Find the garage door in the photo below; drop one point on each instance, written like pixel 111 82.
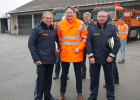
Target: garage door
pixel 24 24
pixel 37 18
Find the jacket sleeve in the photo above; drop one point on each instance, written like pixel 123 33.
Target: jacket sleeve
pixel 89 44
pixel 32 45
pixel 116 44
pixel 57 40
pixel 83 34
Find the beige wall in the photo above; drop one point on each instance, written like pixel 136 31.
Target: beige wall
pixel 13 23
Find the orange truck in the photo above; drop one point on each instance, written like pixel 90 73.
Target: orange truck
pixel 132 18
pixel 59 14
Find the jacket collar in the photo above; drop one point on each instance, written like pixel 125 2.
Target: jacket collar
pixel 100 25
pixel 44 26
pixel 72 21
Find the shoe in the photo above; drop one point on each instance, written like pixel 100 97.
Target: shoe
pixel 121 61
pixel 55 76
pixel 83 76
pixel 104 86
pixel 80 96
pixel 61 97
pixel 91 98
pixel 50 98
pixel 116 82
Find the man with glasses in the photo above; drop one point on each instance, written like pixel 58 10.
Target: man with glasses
pixel 100 54
pixel 72 34
pixel 88 23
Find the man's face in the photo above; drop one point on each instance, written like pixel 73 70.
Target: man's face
pixel 121 21
pixel 87 18
pixel 69 14
pixel 102 18
pixel 47 19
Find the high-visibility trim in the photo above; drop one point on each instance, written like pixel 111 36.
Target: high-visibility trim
pixel 70 43
pixel 71 37
pixel 126 31
pixel 123 32
pixel 122 36
pixel 80 27
pixel 84 36
pixel 90 55
pixel 123 28
pixel 83 40
pixel 112 55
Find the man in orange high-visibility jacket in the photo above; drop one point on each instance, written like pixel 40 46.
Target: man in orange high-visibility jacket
pixel 123 32
pixel 72 35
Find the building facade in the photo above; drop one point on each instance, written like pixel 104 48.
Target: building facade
pixel 24 18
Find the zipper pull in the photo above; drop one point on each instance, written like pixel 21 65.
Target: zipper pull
pixel 102 29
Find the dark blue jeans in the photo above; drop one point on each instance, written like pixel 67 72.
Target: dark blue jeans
pixel 57 65
pixel 65 71
pixel 109 81
pixel 123 44
pixel 43 81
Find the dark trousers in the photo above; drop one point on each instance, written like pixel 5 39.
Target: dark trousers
pixel 115 71
pixel 84 62
pixel 109 81
pixel 57 65
pixel 43 82
pixel 65 71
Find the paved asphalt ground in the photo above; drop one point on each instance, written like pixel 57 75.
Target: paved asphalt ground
pixel 18 73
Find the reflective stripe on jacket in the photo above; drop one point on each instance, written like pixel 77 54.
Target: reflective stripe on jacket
pixel 72 35
pixel 123 31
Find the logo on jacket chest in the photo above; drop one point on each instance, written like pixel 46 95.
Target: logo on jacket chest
pixel 95 34
pixel 44 34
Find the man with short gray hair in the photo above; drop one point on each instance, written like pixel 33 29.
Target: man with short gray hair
pixel 100 53
pixel 42 47
pixel 88 23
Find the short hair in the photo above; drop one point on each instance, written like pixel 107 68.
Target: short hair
pixel 47 12
pixel 108 14
pixel 102 12
pixel 86 13
pixel 69 7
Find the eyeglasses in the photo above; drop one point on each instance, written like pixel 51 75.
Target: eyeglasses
pixel 102 16
pixel 69 12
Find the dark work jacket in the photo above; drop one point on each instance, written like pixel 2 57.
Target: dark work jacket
pixel 90 25
pixel 42 43
pixel 97 42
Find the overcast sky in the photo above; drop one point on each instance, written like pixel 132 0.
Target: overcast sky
pixel 8 5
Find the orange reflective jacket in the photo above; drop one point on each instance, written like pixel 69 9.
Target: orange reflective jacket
pixel 71 36
pixel 123 31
